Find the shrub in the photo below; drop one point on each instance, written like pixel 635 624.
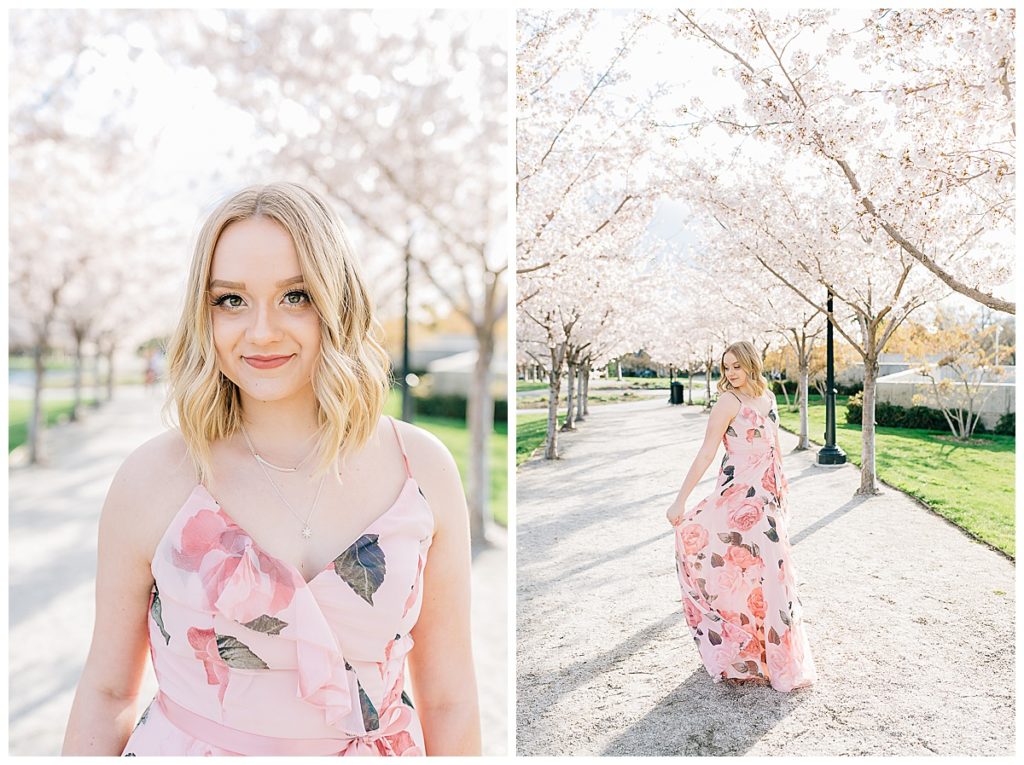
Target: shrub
pixel 454 406
pixel 1006 425
pixel 896 416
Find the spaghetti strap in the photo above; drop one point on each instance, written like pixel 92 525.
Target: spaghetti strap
pixel 735 396
pixel 401 445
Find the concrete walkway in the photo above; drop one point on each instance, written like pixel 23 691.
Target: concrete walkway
pixel 53 517
pixel 911 622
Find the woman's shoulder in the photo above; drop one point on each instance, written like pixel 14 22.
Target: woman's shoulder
pixel 151 485
pixel 435 471
pixel 425 450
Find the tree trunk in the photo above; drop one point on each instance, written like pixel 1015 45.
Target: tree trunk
pixel 110 371
pixel 804 366
pixel 586 389
pixel 96 380
pixel 579 392
pixel 868 484
pixel 480 419
pixel 79 363
pixel 570 389
pixel 554 385
pixel 785 393
pixel 689 385
pixel 35 420
pixel 707 377
pixel 618 366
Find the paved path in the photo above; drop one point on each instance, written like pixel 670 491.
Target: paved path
pixel 911 622
pixel 53 516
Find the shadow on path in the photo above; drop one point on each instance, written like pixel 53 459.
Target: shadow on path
pixel 701 718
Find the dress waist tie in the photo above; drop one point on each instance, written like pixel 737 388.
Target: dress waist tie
pixel 243 742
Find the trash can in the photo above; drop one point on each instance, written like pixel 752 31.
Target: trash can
pixel 676 396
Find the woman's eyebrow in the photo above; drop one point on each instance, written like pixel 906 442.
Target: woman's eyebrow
pixel 241 285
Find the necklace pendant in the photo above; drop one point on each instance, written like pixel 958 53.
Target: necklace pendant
pixel 307 532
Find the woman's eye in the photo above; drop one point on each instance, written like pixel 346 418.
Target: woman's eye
pixel 296 297
pixel 231 301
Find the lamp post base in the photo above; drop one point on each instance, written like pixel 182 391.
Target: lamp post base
pixel 831 455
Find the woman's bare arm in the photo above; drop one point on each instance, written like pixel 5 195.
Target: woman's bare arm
pixel 441 661
pixel 722 413
pixel 105 706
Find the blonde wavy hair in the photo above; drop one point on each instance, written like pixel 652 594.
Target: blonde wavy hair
pixel 750 361
pixel 352 375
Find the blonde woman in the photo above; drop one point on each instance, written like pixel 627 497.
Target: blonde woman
pixel 732 548
pixel 286 550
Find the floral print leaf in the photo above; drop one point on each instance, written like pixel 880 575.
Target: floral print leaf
pixel 772 534
pixel 752 667
pixel 771 415
pixel 266 624
pixel 731 431
pixel 773 636
pixel 785 618
pixel 371 720
pixel 405 699
pixel 237 654
pixel 717 560
pixel 158 617
pixel 714 637
pixel 751 492
pixel 744 619
pixel 755 550
pixel 771 521
pixel 362 566
pixel 741 667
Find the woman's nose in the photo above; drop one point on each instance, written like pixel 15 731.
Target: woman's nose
pixel 264 327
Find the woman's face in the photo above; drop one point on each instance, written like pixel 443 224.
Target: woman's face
pixel 734 373
pixel 265 328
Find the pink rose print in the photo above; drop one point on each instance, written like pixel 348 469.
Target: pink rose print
pixel 780 666
pixel 249 584
pixel 756 604
pixel 768 482
pixel 742 557
pixel 693 614
pixel 752 650
pixel 733 633
pixel 201 533
pixel 745 515
pixel 730 579
pixel 204 643
pixel 736 488
pixel 411 600
pixel 694 537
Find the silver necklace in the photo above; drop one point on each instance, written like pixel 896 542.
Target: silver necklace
pixel 271 465
pixel 307 530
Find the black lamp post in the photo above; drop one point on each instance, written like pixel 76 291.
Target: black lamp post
pixel 830 453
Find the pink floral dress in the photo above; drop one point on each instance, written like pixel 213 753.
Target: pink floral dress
pixel 251 659
pixel 734 564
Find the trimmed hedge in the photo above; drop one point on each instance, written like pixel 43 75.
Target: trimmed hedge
pixel 454 406
pixel 1006 426
pixel 896 416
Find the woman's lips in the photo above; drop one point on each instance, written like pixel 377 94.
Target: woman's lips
pixel 267 362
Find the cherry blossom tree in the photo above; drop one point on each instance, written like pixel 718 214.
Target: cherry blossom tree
pixel 922 131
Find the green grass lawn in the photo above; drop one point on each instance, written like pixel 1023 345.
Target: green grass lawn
pixel 531 402
pixel 20 410
pixel 972 485
pixel 531 432
pixel 455 435
pixel 531 385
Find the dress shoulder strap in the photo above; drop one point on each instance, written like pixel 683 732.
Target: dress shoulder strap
pixel 401 445
pixel 735 396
